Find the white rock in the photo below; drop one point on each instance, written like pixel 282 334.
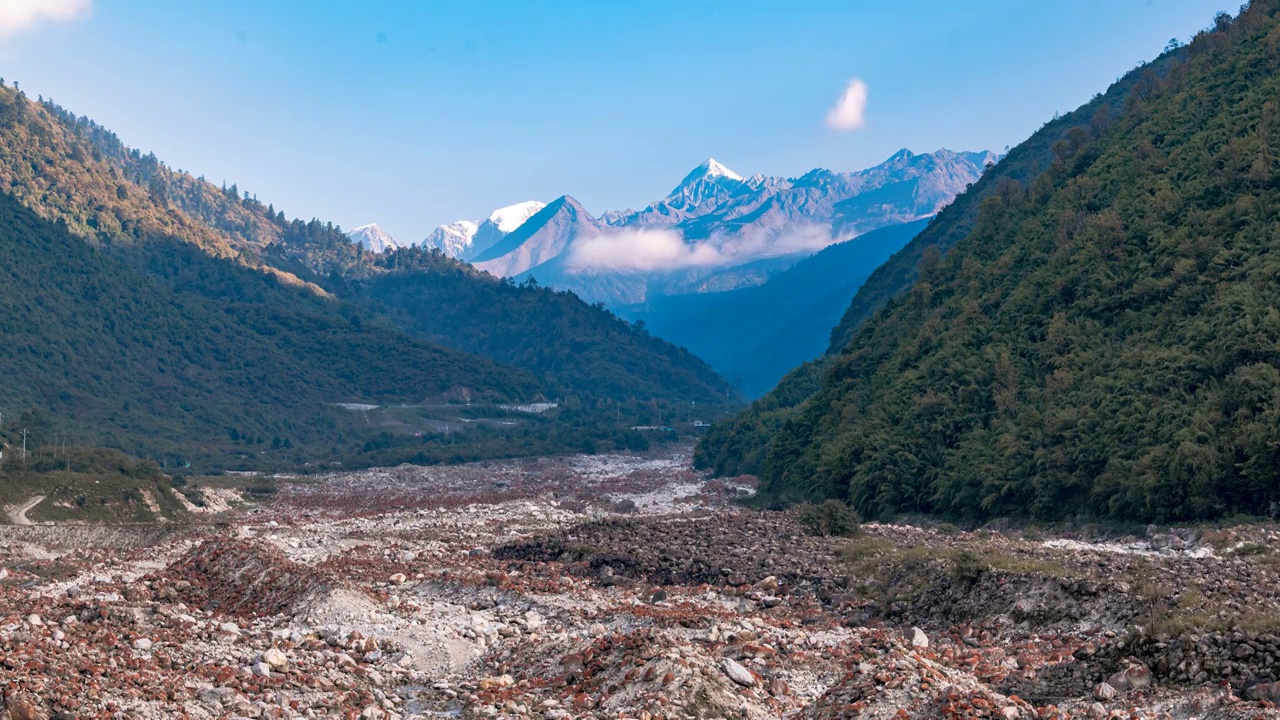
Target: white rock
pixel 919 640
pixel 261 669
pixel 1105 692
pixel 34 620
pixel 229 628
pixel 142 644
pixel 275 658
pixel 737 673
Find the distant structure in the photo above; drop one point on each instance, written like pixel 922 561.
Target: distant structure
pixel 534 408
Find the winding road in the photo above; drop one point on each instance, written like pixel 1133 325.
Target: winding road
pixel 18 515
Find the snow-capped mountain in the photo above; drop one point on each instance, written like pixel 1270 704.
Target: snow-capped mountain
pixel 717 230
pixel 373 238
pixel 453 239
pixel 751 271
pixel 705 188
pixel 499 224
pixel 542 238
pixel 906 187
pixel 708 181
pixel 466 239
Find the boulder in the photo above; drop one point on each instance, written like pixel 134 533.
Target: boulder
pixel 919 640
pixel 737 673
pixel 275 658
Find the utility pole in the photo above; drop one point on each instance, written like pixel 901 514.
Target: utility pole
pixel 24 444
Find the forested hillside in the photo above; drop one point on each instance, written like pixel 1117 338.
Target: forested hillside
pixel 104 353
pixel 754 335
pixel 737 445
pixel 572 348
pixel 1104 340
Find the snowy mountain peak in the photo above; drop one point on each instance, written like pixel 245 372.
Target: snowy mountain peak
pixel 499 224
pixel 508 218
pixel 903 154
pixel 452 239
pixel 708 180
pixel 711 168
pixel 373 238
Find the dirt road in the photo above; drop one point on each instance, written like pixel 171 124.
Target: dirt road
pixel 18 515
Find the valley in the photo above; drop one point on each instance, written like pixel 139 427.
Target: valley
pixel 619 586
pixel 881 434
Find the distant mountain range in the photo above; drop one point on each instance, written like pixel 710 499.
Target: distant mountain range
pixel 722 252
pixel 718 231
pixel 716 254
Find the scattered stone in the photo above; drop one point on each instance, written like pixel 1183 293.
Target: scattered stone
pixel 275 658
pixel 737 673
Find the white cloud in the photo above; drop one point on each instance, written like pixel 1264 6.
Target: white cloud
pixel 637 250
pixel 849 112
pixel 650 250
pixel 18 15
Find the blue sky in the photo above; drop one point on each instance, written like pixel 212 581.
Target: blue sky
pixel 416 113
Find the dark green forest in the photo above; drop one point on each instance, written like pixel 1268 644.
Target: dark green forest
pixel 576 350
pixel 1104 340
pixel 572 348
pixel 112 354
pixel 738 446
pixel 155 312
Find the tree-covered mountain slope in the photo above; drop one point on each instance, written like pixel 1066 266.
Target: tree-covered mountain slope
pixel 755 335
pixel 738 445
pixel 1103 340
pixel 113 356
pixel 573 348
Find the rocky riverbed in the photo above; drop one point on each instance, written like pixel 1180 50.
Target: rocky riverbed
pixel 621 587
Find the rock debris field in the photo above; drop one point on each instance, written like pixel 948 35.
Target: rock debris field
pixel 621 587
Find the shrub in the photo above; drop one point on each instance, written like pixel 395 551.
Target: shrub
pixel 832 518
